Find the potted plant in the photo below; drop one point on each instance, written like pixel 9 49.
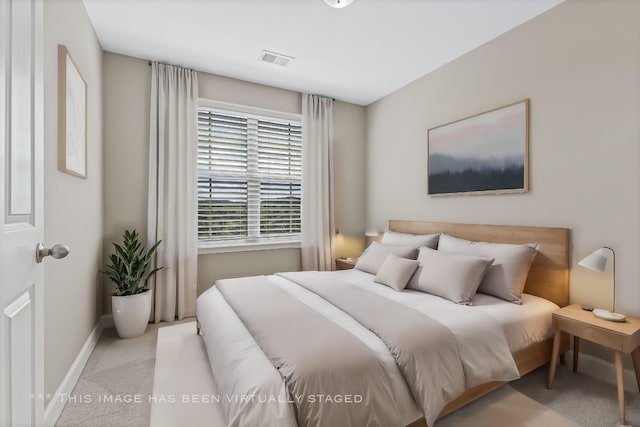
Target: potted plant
pixel 131 299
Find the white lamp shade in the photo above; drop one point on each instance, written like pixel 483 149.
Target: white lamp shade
pixel 338 3
pixel 595 261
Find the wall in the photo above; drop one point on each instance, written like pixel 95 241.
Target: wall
pixel 579 63
pixel 126 106
pixel 73 206
pixel 349 174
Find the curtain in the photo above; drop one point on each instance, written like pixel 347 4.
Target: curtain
pixel 172 205
pixel 318 223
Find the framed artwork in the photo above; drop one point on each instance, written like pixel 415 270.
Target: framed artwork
pixel 72 116
pixel 487 153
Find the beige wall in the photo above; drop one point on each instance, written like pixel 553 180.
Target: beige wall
pixel 126 118
pixel 73 206
pixel 349 173
pixel 579 63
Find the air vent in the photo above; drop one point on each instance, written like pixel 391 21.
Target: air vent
pixel 275 58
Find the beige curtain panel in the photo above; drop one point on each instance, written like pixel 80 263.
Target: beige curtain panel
pixel 318 223
pixel 172 206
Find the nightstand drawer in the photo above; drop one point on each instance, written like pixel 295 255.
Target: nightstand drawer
pixel 588 332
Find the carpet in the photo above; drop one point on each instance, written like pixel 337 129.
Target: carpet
pixel 183 375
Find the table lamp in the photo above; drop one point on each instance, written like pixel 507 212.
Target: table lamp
pixel 598 261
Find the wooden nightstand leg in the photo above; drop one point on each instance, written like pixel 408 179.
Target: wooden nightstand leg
pixel 554 358
pixel 620 383
pixel 635 356
pixel 576 353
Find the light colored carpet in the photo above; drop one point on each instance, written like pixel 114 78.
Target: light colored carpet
pixel 587 401
pixel 115 385
pixel 505 407
pixel 126 368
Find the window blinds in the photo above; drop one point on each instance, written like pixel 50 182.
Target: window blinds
pixel 249 178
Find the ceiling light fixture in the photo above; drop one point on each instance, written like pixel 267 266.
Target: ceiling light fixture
pixel 338 4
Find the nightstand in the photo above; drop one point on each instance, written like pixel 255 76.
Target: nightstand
pixel 623 337
pixel 345 263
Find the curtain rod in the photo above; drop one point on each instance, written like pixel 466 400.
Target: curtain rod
pixel 333 99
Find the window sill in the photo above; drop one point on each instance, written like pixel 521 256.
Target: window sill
pixel 243 247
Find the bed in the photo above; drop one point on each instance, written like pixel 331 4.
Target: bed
pixel 246 376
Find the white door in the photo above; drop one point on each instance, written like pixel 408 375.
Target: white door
pixel 21 213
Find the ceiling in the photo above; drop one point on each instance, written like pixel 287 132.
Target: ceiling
pixel 357 54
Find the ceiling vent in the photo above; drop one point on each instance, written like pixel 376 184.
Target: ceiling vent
pixel 275 58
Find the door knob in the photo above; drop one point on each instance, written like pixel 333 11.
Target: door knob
pixel 57 251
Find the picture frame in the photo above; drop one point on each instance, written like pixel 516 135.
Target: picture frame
pixel 487 153
pixel 72 116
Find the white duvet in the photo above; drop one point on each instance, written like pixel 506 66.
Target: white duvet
pixel 253 392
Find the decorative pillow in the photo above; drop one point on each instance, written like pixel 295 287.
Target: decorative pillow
pixel 452 276
pixel 508 274
pixel 372 258
pixel 396 272
pixel 415 240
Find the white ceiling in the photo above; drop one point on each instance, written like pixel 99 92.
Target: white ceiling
pixel 357 54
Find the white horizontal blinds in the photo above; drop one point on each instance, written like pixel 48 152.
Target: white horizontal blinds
pixel 280 166
pixel 222 183
pixel 222 209
pixel 280 149
pixel 249 177
pixel 222 143
pixel 279 208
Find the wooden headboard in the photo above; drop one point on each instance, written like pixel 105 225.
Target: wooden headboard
pixel 549 274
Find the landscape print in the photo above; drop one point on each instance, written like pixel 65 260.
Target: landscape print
pixel 484 153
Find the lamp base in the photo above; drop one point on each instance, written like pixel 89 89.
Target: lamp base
pixel 607 315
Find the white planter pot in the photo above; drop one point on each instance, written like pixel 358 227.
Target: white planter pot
pixel 131 313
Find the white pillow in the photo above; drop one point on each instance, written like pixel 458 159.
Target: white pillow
pixel 372 258
pixel 452 276
pixel 507 276
pixel 396 272
pixel 415 240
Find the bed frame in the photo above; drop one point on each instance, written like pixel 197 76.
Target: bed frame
pixel 548 278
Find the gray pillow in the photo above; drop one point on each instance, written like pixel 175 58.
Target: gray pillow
pixel 415 240
pixel 372 258
pixel 396 272
pixel 452 276
pixel 507 276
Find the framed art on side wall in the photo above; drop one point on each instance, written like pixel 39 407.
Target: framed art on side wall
pixel 487 153
pixel 72 116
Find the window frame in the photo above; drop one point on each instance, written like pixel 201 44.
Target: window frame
pixel 240 245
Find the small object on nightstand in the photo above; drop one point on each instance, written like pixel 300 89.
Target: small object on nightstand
pixel 607 315
pixel 345 263
pixel 587 308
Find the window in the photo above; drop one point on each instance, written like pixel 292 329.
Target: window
pixel 249 176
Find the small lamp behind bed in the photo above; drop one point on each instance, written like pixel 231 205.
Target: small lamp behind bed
pixel 598 261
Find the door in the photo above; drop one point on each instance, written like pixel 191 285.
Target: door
pixel 21 213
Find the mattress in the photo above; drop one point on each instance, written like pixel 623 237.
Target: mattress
pixel 239 365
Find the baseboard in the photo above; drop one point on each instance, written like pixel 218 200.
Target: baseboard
pixel 603 370
pixel 57 402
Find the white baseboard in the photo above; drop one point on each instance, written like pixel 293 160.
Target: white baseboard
pixel 57 402
pixel 603 370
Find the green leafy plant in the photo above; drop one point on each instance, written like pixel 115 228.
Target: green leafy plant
pixel 129 264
